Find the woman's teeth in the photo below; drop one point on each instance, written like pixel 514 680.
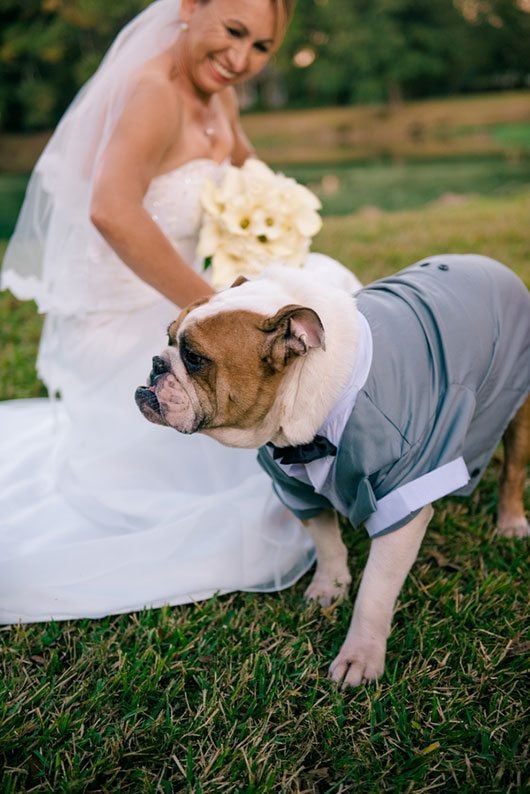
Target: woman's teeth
pixel 222 71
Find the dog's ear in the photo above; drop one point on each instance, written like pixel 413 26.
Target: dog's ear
pixel 239 280
pixel 292 331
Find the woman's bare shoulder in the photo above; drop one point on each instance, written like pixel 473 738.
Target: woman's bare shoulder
pixel 153 87
pixel 146 129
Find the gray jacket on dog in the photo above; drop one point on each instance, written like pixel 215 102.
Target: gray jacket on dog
pixel 450 368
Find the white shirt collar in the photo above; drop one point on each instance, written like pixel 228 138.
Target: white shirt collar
pixel 317 471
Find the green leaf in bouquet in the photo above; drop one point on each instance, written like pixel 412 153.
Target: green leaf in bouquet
pixel 207 262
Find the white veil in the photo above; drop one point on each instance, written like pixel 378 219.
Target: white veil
pixel 55 213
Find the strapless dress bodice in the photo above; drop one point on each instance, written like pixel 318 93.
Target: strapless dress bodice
pixel 173 201
pixel 91 277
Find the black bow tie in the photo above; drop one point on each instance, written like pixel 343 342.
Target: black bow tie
pixel 319 447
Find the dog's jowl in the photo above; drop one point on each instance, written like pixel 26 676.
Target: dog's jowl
pixel 373 406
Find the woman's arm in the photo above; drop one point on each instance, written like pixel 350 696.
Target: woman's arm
pixel 148 126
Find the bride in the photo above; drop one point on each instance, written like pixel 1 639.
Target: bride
pixel 101 512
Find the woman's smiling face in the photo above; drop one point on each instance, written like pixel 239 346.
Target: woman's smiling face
pixel 227 41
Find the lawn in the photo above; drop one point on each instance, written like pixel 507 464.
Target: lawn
pixel 347 188
pixel 231 695
pixel 344 188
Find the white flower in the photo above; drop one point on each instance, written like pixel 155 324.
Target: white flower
pixel 253 218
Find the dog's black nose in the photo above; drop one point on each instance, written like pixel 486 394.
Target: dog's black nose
pixel 159 366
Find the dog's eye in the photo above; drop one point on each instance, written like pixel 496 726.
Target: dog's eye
pixel 191 360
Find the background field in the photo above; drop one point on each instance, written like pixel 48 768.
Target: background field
pixel 495 123
pixel 231 695
pixel 352 157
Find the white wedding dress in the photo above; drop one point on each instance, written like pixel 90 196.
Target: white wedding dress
pixel 102 512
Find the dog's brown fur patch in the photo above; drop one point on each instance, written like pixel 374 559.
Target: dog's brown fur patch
pixel 239 381
pixel 516 441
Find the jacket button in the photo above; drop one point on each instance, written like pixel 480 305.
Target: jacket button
pixel 443 267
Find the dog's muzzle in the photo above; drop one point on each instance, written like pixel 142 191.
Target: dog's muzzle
pixel 166 401
pixel 145 397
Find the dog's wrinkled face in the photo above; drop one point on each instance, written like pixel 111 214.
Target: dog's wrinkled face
pixel 222 369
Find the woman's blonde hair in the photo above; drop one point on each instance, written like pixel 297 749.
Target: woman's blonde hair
pixel 284 13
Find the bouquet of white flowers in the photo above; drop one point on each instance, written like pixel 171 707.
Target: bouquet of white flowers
pixel 253 218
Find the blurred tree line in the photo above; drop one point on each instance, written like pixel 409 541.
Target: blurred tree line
pixel 335 52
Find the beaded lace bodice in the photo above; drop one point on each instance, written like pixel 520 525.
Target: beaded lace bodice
pixel 173 200
pixel 92 276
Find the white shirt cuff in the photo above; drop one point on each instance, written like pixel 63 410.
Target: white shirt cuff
pixel 398 504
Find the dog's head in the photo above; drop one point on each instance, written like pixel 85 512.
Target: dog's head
pixel 227 361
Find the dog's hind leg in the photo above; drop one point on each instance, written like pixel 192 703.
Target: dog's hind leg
pixel 512 521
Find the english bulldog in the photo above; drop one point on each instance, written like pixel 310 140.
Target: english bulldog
pixel 371 405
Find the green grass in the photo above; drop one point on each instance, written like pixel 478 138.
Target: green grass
pixel 12 188
pixel 344 188
pixel 231 695
pixel 374 243
pixel 20 328
pixel 514 135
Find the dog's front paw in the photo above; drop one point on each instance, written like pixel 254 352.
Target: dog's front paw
pixel 359 661
pixel 513 528
pixel 327 590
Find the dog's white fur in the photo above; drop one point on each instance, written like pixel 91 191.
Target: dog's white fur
pixel 362 655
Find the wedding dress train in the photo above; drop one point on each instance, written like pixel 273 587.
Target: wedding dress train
pixel 102 512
